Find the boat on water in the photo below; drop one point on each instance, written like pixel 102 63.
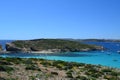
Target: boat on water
pixel 118 51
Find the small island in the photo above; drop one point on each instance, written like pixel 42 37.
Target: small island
pixel 49 46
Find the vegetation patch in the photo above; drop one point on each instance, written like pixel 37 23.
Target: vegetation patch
pixel 6 68
pixel 33 69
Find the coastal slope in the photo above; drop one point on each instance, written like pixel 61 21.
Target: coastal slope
pixel 50 45
pixel 40 69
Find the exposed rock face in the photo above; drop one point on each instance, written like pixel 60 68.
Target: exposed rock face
pixel 0 48
pixel 12 47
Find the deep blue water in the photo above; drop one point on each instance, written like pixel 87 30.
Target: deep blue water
pixel 110 46
pixel 109 57
pixel 3 42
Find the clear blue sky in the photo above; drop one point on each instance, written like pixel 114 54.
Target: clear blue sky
pixel 29 19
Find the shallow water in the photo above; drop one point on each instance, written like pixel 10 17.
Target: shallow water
pixel 3 42
pixel 109 57
pixel 103 58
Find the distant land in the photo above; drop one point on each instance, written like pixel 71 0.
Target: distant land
pixel 101 40
pixel 92 40
pixel 72 39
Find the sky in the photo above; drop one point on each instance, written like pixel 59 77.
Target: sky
pixel 78 19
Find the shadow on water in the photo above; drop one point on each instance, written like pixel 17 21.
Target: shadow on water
pixel 70 55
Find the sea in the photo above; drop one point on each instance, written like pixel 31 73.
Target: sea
pixel 108 57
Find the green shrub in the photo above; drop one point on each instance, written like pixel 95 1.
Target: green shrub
pixel 11 79
pixel 81 64
pixel 1 78
pixel 28 62
pixel 89 66
pixel 32 77
pixel 69 74
pixel 5 63
pixel 55 73
pixel 6 68
pixel 32 67
pixel 106 70
pixel 46 63
pixel 96 75
pixel 14 60
pixel 109 77
pixel 60 66
pixel 113 73
pixel 81 78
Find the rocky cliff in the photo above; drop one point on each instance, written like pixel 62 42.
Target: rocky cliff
pixel 0 47
pixel 53 45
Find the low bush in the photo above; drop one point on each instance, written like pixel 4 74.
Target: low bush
pixel 69 74
pixel 5 63
pixel 81 78
pixel 46 63
pixel 6 68
pixel 32 67
pixel 106 70
pixel 55 73
pixel 1 78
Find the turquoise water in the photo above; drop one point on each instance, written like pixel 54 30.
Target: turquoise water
pixel 109 57
pixel 103 58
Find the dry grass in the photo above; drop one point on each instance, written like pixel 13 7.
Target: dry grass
pixel 39 69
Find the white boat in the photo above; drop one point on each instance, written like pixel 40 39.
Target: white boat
pixel 118 51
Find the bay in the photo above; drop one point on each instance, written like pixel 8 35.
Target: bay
pixel 108 57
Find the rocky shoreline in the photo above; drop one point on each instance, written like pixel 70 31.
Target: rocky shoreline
pixel 44 51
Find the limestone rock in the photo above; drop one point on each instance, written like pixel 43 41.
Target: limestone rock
pixel 0 47
pixel 12 47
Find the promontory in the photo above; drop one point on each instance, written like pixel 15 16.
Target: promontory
pixel 49 46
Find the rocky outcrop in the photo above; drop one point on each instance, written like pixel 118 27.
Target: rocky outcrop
pixel 12 47
pixel 0 47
